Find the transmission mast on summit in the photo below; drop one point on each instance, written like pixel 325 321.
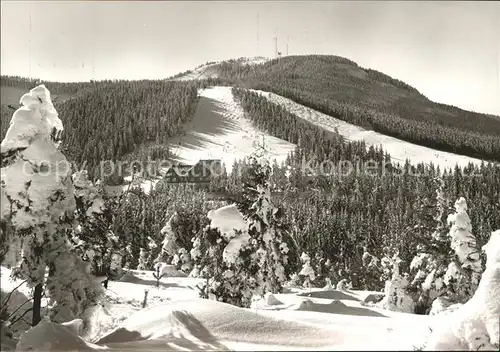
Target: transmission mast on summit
pixel 276 52
pixel 29 48
pixel 275 45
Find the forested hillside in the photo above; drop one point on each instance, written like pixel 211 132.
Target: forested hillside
pixel 340 88
pixel 108 120
pixel 283 124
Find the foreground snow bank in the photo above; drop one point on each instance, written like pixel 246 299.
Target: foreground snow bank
pixel 206 324
pixel 49 336
pixel 329 320
pixel 476 324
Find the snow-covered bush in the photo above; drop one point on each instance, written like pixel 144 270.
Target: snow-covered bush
pixel 143 257
pixel 372 272
pixel 344 285
pixel 476 324
pixel 396 297
pixel 442 305
pixel 182 260
pixel 307 271
pixel 328 285
pixel 37 208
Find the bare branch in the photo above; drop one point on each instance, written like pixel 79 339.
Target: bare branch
pixel 4 304
pixel 22 316
pixel 17 309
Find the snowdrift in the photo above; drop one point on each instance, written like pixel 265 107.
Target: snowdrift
pixel 49 336
pixel 212 325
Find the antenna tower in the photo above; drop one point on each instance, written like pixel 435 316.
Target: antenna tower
pixel 258 41
pixel 29 48
pixel 276 43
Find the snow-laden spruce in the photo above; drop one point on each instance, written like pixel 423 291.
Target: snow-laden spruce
pixel 169 246
pixel 37 208
pixel 476 324
pixel 430 264
pixel 396 297
pixel 36 190
pixel 307 271
pixel 464 272
pixel 243 253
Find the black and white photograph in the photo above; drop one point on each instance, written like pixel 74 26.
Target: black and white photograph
pixel 250 175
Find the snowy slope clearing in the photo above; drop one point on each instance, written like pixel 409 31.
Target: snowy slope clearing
pixel 397 148
pixel 202 72
pixel 211 71
pixel 175 319
pixel 220 130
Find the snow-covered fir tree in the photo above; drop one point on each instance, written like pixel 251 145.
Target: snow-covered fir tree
pixel 265 229
pixel 373 272
pixel 182 260
pixel 37 208
pixel 244 252
pixel 93 237
pixel 169 247
pixel 464 272
pixel 307 271
pixel 429 266
pixel 207 256
pixel 396 297
pixel 143 258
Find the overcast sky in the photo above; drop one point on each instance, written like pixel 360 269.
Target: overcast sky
pixel 450 51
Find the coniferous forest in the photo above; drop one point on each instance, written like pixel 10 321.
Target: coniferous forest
pixel 340 88
pixel 108 120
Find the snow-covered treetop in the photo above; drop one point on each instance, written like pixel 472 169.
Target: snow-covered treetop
pixel 228 220
pixel 36 177
pixel 462 240
pixel 305 257
pixel 88 193
pixel 460 219
pixel 461 205
pixel 37 118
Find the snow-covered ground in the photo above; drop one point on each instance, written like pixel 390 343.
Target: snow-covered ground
pixel 220 130
pixel 397 148
pixel 202 72
pixel 175 319
pixel 210 70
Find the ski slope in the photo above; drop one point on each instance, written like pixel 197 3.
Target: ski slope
pixel 398 149
pixel 174 319
pixel 220 130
